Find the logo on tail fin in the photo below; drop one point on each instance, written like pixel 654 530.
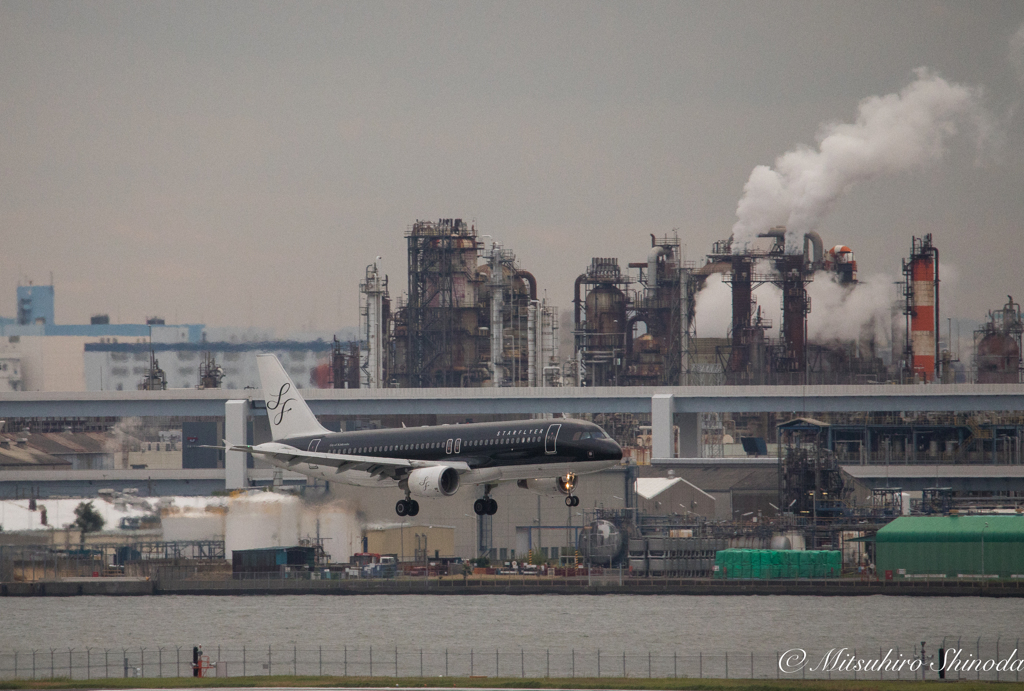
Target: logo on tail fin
pixel 279 405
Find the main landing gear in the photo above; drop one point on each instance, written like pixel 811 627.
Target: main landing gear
pixel 485 506
pixel 572 500
pixel 407 507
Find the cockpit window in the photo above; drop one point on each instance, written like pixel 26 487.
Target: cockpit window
pixel 597 435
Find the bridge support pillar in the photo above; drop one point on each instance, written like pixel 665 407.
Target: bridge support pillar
pixel 662 410
pixel 689 435
pixel 236 422
pixel 664 421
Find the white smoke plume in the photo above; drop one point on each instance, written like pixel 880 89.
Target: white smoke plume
pixel 713 312
pixel 891 133
pixel 850 313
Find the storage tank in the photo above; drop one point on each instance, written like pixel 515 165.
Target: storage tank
pixel 602 543
pixel 606 315
pixel 998 359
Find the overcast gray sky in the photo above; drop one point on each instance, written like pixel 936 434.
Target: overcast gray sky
pixel 240 163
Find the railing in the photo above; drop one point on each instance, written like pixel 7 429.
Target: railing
pixel 998 660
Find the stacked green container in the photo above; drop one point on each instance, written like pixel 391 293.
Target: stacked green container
pixel 777 563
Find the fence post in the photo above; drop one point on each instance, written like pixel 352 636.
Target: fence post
pixel 142 661
pixel 675 667
pixel 497 666
pixel 346 660
pixel 270 661
pixel 778 661
pixel 726 664
pixel 88 662
pixel 598 664
pixel 752 663
pixel 160 660
pixel 446 662
pixel 548 673
pixel 522 662
pixel 700 658
pixel 421 663
pixel 371 660
pixel 648 663
pixel 295 660
pixel 177 660
pixel 321 660
pixel 470 662
pixel 33 663
pixel 71 665
pixel 15 664
pixel 396 662
pixel 51 661
pixel 124 656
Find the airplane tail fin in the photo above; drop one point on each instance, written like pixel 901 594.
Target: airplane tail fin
pixel 288 413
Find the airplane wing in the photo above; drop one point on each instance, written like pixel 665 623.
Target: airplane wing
pixel 374 465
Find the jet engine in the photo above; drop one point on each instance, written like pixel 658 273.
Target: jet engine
pixel 436 481
pixel 558 486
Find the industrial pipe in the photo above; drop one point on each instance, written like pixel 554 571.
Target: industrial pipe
pixel 531 280
pixel 576 300
pixel 814 240
pixel 935 251
pixel 652 271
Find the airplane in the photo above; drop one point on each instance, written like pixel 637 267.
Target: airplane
pixel 543 456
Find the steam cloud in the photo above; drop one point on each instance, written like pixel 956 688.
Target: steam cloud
pixel 891 133
pixel 845 313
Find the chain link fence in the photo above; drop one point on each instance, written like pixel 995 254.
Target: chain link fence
pixel 994 660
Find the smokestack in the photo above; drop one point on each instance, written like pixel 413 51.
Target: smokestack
pixel 922 308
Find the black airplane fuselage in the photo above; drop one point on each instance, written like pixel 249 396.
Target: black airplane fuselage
pixel 480 445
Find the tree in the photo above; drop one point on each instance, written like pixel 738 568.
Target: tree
pixel 87 519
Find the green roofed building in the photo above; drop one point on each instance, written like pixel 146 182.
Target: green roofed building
pixel 952 546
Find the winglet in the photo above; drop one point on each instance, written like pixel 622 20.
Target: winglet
pixel 288 413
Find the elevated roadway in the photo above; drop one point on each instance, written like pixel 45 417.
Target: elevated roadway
pixel 685 399
pixel 669 406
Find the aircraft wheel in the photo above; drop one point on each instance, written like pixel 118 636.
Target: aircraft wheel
pixel 414 507
pixel 492 507
pixel 569 502
pixel 402 507
pixel 575 500
pixel 480 507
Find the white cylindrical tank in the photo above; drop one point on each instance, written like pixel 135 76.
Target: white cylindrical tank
pixel 262 519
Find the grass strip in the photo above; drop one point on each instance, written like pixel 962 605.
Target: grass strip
pixel 640 684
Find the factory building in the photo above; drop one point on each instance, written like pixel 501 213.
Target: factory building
pixel 951 546
pixel 997 346
pixel 637 327
pixel 635 331
pixel 471 317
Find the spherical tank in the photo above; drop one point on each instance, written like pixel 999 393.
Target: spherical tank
pixel 604 541
pixel 606 312
pixel 998 359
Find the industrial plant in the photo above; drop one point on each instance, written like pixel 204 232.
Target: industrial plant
pixel 470 314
